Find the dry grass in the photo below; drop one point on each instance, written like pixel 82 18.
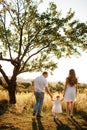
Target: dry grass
pixel 25 101
pixel 25 121
pixel 81 102
pixel 19 116
pixel 3 95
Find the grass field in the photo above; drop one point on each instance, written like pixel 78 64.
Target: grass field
pixel 11 120
pixel 19 116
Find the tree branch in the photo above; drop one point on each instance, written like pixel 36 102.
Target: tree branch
pixel 4 74
pixel 27 47
pixel 4 25
pixel 32 56
pixel 14 62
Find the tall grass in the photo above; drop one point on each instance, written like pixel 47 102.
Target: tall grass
pixel 3 95
pixel 25 101
pixel 81 102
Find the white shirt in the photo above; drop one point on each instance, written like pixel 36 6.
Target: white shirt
pixel 40 84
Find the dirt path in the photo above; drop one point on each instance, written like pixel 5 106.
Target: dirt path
pixel 24 121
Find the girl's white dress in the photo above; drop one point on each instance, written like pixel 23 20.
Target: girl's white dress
pixel 57 106
pixel 70 94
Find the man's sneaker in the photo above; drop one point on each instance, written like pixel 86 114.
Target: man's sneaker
pixel 39 116
pixel 34 113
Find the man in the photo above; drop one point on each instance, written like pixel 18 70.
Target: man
pixel 40 86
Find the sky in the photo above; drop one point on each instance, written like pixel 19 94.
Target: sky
pixel 64 64
pixel 79 6
pixel 80 63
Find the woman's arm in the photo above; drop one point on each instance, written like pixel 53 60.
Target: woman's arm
pixel 76 88
pixel 65 86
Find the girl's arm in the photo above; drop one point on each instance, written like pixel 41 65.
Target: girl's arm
pixel 62 99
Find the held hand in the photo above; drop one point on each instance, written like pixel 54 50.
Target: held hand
pixel 62 99
pixel 51 97
pixel 64 94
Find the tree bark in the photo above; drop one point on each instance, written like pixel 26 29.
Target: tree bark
pixel 11 91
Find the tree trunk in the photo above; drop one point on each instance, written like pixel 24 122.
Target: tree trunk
pixel 11 91
pixel 11 84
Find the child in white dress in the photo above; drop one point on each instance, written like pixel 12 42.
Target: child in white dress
pixel 57 108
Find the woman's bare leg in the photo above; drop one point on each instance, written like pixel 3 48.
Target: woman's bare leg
pixel 67 109
pixel 71 108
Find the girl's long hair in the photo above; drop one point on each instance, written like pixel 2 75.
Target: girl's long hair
pixel 72 80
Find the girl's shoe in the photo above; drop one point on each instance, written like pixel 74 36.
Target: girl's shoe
pixel 71 116
pixel 55 117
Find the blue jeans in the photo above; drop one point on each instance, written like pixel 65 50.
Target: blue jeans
pixel 39 96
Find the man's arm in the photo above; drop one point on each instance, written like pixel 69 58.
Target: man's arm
pixel 47 90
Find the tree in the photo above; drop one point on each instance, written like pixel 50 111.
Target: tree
pixel 31 41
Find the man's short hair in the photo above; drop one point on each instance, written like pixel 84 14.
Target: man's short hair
pixel 45 72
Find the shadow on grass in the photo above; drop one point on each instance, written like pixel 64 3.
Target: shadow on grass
pixel 3 106
pixel 37 124
pixel 75 123
pixel 34 124
pixel 8 127
pixel 60 125
pixel 83 115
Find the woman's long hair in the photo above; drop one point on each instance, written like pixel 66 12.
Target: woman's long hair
pixel 72 80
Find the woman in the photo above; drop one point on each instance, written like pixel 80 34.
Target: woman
pixel 70 91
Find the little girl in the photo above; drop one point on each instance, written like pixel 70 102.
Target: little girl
pixel 57 106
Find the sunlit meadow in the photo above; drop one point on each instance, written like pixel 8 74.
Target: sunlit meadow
pixel 25 101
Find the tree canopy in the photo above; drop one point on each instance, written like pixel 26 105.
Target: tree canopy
pixel 31 41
